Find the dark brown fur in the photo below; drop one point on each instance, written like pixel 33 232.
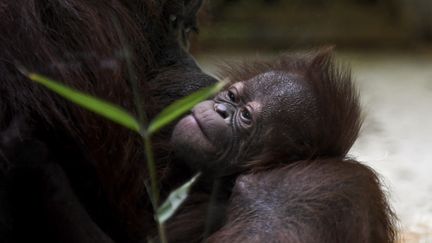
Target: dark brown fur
pixel 89 45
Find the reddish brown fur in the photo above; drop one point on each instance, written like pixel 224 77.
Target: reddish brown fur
pixel 329 200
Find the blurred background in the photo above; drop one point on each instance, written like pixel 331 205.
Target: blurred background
pixel 389 46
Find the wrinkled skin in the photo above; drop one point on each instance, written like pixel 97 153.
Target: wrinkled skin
pixel 241 121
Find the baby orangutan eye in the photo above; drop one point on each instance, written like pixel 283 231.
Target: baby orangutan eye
pixel 231 96
pixel 246 116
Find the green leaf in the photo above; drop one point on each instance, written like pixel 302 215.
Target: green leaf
pixel 181 106
pixel 98 106
pixel 174 200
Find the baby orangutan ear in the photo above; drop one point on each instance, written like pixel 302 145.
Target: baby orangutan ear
pixel 322 56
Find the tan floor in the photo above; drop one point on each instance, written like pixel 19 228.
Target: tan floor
pixel 397 137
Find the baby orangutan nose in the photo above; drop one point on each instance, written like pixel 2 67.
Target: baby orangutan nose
pixel 222 110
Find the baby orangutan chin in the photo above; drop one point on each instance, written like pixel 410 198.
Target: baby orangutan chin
pixel 285 127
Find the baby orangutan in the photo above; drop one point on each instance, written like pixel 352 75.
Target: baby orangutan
pixel 285 127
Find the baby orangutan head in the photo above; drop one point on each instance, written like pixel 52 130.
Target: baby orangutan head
pixel 296 107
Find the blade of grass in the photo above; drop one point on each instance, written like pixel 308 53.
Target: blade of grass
pixel 181 106
pixel 174 200
pixel 96 105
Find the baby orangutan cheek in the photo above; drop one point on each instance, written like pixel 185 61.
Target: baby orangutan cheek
pixel 191 145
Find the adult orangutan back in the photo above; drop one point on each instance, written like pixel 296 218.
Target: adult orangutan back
pixel 67 175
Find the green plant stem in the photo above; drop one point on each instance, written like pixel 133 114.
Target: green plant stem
pixel 152 171
pixel 153 183
pixel 162 233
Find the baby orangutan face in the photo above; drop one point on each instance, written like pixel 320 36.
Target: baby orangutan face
pixel 240 121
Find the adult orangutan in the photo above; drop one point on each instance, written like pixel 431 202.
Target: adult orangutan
pixel 67 175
